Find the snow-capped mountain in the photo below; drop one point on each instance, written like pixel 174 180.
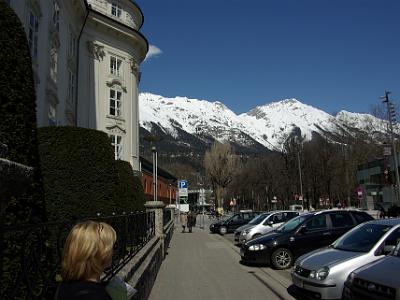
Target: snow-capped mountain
pixel 262 127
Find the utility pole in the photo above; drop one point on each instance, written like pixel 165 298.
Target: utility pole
pixel 392 119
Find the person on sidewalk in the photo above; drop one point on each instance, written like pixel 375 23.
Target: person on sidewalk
pixel 87 252
pixel 184 220
pixel 191 220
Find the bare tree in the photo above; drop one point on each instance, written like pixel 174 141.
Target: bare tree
pixel 220 165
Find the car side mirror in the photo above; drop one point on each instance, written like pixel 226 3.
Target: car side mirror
pixel 388 249
pixel 270 223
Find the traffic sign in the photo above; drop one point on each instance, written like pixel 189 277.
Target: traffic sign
pixel 183 184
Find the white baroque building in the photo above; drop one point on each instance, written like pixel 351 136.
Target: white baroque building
pixel 86 56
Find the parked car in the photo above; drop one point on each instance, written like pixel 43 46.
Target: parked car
pixel 263 224
pixel 376 280
pixel 322 273
pixel 230 224
pixel 300 235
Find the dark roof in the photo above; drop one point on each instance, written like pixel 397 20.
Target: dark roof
pixel 148 166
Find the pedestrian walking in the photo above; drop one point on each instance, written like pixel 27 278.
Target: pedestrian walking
pixel 184 220
pixel 191 220
pixel 87 252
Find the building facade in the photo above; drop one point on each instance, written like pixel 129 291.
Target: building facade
pixel 377 182
pixel 167 184
pixel 85 57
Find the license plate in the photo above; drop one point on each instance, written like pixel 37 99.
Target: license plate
pixel 297 282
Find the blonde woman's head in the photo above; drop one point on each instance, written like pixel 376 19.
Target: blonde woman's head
pixel 87 250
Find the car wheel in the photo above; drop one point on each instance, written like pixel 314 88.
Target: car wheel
pixel 223 230
pixel 281 258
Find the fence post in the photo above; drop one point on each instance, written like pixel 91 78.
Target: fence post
pixel 158 208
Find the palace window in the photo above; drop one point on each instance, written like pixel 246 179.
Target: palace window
pixel 115 65
pixel 115 102
pixel 71 86
pixel 116 10
pixel 33 32
pixel 56 15
pixel 116 143
pixel 53 64
pixel 52 114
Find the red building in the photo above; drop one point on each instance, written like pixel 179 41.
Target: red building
pixel 167 186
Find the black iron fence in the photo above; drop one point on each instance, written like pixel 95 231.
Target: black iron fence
pixel 30 255
pixel 166 216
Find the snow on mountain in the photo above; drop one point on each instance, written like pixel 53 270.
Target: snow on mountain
pixel 270 122
pixel 361 121
pixel 191 115
pixel 267 124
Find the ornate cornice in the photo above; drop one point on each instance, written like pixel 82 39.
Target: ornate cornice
pixel 96 50
pixel 115 129
pixel 116 81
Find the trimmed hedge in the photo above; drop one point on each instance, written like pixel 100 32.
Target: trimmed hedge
pixel 81 177
pixel 130 195
pixel 18 121
pixel 78 171
pixel 21 196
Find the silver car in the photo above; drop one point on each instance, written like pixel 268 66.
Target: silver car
pixel 263 224
pixel 322 273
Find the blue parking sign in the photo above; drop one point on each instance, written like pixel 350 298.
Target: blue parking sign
pixel 183 184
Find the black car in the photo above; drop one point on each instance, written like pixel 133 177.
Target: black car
pixel 300 235
pixel 229 225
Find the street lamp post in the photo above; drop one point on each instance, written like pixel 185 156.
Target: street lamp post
pixel 392 119
pixel 301 182
pixel 154 151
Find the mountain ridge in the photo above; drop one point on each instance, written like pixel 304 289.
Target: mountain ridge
pixel 263 126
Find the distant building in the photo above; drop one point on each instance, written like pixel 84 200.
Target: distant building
pixel 167 184
pixel 376 179
pixel 85 57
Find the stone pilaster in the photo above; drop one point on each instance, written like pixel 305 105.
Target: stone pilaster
pixel 158 208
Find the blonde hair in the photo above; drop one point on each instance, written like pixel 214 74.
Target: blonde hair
pixel 87 250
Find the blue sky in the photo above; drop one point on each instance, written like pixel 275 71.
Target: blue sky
pixel 331 54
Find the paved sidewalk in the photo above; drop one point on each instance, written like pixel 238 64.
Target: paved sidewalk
pixel 200 265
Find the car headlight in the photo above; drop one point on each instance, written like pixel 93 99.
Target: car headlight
pixel 257 247
pixel 350 278
pixel 246 232
pixel 296 266
pixel 320 274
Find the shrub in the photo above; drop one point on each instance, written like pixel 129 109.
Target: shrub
pixel 79 172
pixel 129 188
pixel 18 119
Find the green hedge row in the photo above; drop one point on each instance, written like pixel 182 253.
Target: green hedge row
pixel 18 122
pixel 81 177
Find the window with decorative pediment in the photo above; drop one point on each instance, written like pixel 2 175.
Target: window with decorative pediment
pixel 115 66
pixel 53 63
pixel 52 114
pixel 33 33
pixel 116 142
pixel 116 10
pixel 115 102
pixel 56 15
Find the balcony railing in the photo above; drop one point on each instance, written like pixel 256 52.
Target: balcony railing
pixel 30 255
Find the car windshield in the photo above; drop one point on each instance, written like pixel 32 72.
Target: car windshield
pixel 396 251
pixel 361 238
pixel 257 220
pixel 292 224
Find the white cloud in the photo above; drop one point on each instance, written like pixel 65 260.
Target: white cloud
pixel 154 51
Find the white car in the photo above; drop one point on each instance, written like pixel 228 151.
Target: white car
pixel 263 224
pixel 321 274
